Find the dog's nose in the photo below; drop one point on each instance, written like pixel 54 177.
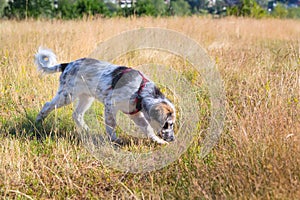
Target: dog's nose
pixel 172 138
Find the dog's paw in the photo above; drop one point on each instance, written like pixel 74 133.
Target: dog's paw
pixel 118 141
pixel 39 119
pixel 162 142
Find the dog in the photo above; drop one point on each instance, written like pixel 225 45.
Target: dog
pixel 119 88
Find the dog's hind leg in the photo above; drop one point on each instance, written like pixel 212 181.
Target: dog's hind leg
pixel 61 99
pixel 84 103
pixel 141 122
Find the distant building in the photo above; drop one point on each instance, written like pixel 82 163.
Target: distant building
pixel 126 3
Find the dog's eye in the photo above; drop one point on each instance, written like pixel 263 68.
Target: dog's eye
pixel 166 125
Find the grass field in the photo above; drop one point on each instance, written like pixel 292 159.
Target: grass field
pixel 258 154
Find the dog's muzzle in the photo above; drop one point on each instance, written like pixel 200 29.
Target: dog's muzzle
pixel 168 135
pixel 167 132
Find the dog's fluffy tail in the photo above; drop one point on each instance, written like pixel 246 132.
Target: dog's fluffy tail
pixel 46 62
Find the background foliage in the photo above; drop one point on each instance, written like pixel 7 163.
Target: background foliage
pixel 71 9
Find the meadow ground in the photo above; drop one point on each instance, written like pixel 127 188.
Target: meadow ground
pixel 258 154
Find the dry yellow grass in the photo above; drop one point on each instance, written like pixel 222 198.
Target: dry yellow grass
pixel 257 156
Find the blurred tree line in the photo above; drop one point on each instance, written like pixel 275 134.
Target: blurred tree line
pixel 72 9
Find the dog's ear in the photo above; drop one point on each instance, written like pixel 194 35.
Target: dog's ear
pixel 162 112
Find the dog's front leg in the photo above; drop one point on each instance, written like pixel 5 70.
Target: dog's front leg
pixel 110 122
pixel 141 122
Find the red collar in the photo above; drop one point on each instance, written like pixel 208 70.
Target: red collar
pixel 138 98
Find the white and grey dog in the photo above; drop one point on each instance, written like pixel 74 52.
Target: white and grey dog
pixel 118 87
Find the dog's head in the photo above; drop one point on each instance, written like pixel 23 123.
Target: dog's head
pixel 162 119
